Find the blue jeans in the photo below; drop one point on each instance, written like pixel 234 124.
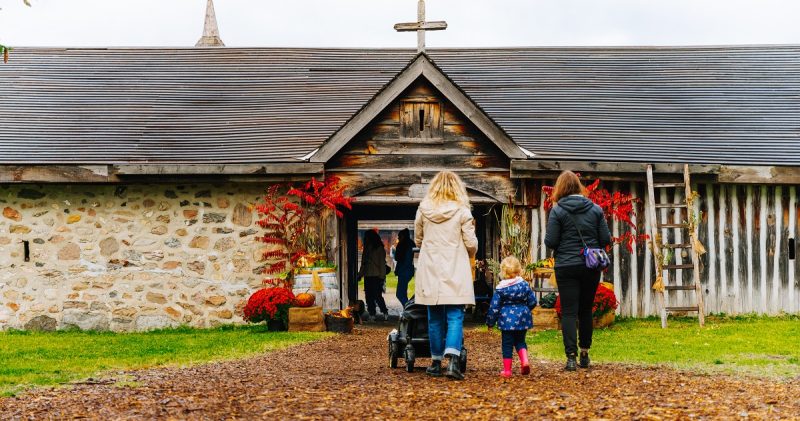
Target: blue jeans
pixel 445 330
pixel 402 288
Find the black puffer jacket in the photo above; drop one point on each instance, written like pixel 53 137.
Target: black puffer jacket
pixel 562 236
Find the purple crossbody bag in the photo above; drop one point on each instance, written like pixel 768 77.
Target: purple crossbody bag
pixel 595 258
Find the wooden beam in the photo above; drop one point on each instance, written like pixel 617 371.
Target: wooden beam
pixel 759 175
pixel 495 185
pixel 219 169
pixel 56 174
pixel 728 174
pixel 402 200
pixel 438 25
pixel 528 168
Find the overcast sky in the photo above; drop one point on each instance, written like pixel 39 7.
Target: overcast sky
pixel 368 23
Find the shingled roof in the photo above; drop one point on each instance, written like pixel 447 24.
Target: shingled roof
pixel 725 105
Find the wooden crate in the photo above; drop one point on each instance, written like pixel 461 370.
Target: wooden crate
pixel 306 319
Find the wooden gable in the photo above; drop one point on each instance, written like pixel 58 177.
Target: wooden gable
pixel 418 134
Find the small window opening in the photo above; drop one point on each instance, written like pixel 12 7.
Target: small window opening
pixel 791 249
pixel 421 119
pixel 26 247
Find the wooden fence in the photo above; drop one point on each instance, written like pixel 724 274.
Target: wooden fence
pixel 747 231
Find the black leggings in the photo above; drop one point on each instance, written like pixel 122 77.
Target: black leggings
pixel 373 290
pixel 513 339
pixel 577 286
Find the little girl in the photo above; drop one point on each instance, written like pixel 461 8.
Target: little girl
pixel 511 308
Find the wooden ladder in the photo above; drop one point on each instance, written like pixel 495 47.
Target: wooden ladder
pixel 666 272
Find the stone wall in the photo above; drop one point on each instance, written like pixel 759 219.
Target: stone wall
pixel 127 257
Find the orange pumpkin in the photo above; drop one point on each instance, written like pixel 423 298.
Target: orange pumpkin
pixel 304 300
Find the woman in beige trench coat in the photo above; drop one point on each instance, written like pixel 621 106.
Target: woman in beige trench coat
pixel 445 233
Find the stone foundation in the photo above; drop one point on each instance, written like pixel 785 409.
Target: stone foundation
pixel 127 257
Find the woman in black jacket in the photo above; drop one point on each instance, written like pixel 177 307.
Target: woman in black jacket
pixel 373 269
pixel 577 284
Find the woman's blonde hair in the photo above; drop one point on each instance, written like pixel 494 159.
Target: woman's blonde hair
pixel 510 267
pixel 567 184
pixel 447 186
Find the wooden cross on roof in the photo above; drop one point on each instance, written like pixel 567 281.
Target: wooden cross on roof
pixel 420 26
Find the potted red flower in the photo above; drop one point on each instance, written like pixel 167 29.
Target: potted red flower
pixel 270 305
pixel 603 310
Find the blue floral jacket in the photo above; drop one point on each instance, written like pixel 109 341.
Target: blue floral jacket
pixel 511 305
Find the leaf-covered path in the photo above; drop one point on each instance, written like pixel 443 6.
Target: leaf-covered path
pixel 347 378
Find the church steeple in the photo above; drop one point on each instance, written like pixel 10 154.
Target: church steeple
pixel 210 36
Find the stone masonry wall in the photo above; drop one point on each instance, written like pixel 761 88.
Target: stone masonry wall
pixel 127 257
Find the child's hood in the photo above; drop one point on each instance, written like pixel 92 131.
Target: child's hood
pixel 505 283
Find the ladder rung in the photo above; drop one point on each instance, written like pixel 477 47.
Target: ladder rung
pixel 679 287
pixel 670 205
pixel 682 309
pixel 668 185
pixel 677 246
pixel 673 225
pixel 668 267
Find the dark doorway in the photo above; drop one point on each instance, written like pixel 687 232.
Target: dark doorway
pixel 403 214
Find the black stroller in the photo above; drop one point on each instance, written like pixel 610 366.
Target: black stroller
pixel 410 340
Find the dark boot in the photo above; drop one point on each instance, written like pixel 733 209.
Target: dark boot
pixel 453 371
pixel 571 363
pixel 435 370
pixel 584 360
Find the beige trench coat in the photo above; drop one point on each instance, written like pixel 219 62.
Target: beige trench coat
pixel 446 237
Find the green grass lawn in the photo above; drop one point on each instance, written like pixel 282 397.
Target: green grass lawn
pixel 38 359
pixel 760 346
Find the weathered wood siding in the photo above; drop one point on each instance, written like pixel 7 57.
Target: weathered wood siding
pixel 746 231
pixel 384 161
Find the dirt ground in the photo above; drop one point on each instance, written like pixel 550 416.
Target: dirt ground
pixel 347 377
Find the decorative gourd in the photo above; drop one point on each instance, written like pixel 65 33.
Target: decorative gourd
pixel 304 300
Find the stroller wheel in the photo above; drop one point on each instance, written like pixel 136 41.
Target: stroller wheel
pixel 410 357
pixel 394 354
pixel 462 360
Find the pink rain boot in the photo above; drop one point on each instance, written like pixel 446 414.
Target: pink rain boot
pixel 506 373
pixel 523 361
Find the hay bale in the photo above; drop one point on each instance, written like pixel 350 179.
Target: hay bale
pixel 306 319
pixel 544 318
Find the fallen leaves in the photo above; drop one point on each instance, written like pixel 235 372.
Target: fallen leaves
pixel 346 378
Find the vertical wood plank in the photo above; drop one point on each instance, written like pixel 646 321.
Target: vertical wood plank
pixel 724 300
pixel 736 290
pixel 712 303
pixel 542 228
pixel 343 262
pixel 775 300
pixel 616 259
pixel 648 263
pixel 748 219
pixel 783 248
pixel 633 284
pixel 701 210
pixel 792 305
pixel 695 213
pixel 762 249
pixel 535 234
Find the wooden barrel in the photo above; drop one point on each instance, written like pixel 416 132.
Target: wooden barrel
pixel 328 298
